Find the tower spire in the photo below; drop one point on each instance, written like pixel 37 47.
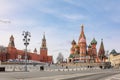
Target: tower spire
pixel 82 35
pixel 35 50
pixel 82 28
pixel 82 32
pixel 101 52
pixel 43 41
pixel 11 42
pixel 44 35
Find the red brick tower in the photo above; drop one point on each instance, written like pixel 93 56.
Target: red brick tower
pixel 43 50
pixel 11 48
pixel 11 42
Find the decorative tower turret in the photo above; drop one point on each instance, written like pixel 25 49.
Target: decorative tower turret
pixel 94 50
pixel 89 49
pixel 101 53
pixel 93 45
pixel 77 50
pixel 11 42
pixel 11 48
pixel 72 50
pixel 43 42
pixel 82 34
pixel 82 44
pixel 35 50
pixel 82 47
pixel 73 43
pixel 43 50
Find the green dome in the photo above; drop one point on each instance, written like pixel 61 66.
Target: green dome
pixel 71 56
pixel 89 46
pixel 93 41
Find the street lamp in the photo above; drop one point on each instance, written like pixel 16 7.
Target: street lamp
pixel 26 41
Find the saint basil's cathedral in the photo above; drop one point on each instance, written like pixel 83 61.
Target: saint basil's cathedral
pixel 80 52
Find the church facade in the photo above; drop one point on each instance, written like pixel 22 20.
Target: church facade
pixel 12 53
pixel 81 52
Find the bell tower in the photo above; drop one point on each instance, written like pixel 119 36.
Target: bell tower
pixel 43 42
pixel 11 48
pixel 43 50
pixel 11 42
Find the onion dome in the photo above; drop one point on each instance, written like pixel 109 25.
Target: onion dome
pixel 82 40
pixel 71 56
pixel 89 46
pixel 73 42
pixel 93 41
pixel 76 46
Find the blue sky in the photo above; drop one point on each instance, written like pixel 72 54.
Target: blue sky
pixel 61 21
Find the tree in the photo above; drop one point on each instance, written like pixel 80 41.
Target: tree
pixel 60 58
pixel 3 53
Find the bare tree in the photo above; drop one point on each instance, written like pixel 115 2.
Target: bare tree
pixel 60 58
pixel 3 53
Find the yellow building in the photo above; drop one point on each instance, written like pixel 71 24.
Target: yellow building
pixel 114 58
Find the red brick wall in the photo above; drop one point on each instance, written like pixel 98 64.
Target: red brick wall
pixel 13 54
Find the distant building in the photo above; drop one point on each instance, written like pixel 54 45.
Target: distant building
pixel 80 52
pixel 12 53
pixel 114 58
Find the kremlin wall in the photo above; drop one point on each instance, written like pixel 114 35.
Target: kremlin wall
pixel 12 53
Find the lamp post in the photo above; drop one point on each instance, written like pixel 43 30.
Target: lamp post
pixel 26 41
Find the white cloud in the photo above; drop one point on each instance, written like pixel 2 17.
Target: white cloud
pixel 7 8
pixel 75 17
